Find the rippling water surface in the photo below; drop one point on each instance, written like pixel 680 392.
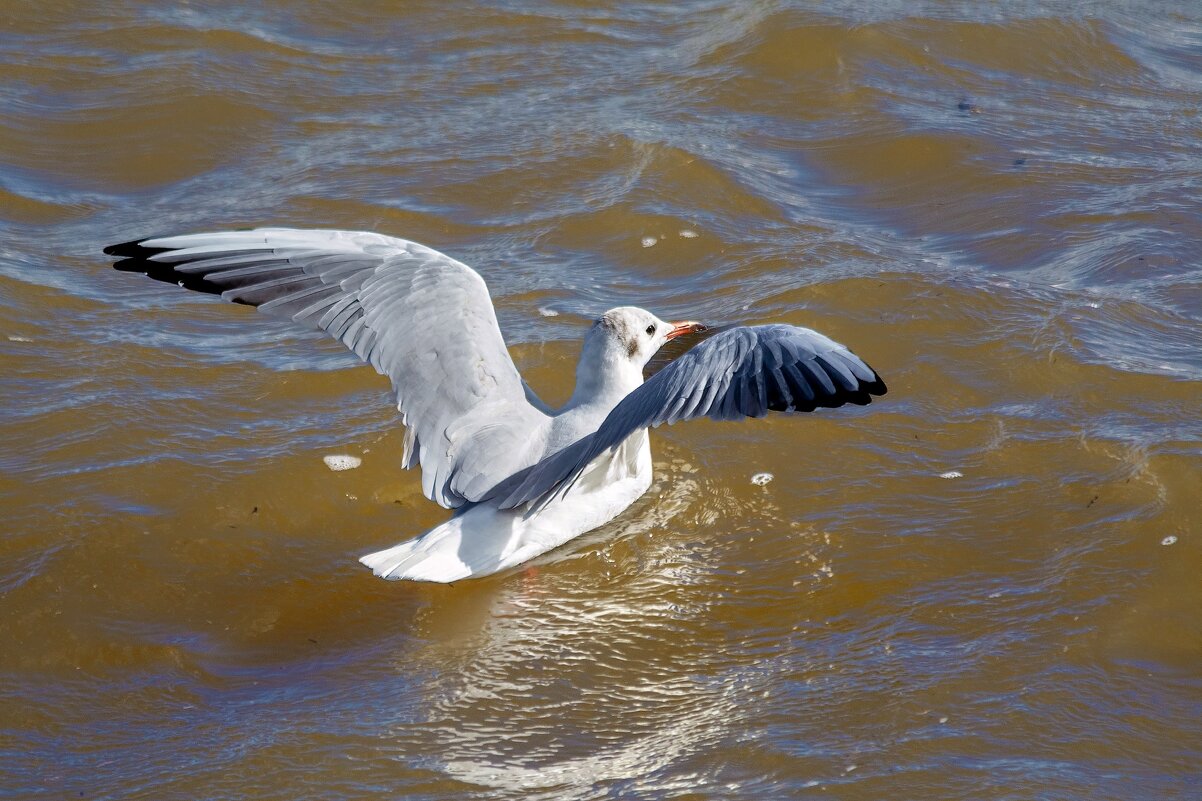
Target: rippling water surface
pixel 987 585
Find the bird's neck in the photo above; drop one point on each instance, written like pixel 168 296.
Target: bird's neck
pixel 604 376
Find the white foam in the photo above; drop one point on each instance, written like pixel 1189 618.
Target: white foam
pixel 1169 540
pixel 760 479
pixel 546 312
pixel 688 233
pixel 649 241
pixel 952 474
pixel 341 461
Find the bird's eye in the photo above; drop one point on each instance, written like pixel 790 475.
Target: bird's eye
pixel 650 330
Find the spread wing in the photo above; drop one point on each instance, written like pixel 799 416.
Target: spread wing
pixel 742 372
pixel 418 316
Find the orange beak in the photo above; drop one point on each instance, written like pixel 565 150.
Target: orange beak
pixel 685 327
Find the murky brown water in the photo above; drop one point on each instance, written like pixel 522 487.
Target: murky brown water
pixel 999 210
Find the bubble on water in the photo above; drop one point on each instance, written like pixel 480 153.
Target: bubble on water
pixel 760 479
pixel 943 720
pixel 1169 540
pixel 15 338
pixel 546 312
pixel 688 233
pixel 341 461
pixel 952 474
pixel 649 241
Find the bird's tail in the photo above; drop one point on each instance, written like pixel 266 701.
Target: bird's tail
pixel 418 559
pixel 478 541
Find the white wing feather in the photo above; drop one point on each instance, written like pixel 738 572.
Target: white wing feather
pixel 418 316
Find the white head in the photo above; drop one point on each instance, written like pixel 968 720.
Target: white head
pixel 620 344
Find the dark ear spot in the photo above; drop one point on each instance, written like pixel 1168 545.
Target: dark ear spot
pixel 633 347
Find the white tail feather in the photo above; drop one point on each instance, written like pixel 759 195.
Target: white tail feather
pixel 410 560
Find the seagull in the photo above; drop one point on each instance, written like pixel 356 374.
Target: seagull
pixel 521 477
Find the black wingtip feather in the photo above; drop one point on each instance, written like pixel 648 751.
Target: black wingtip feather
pixel 877 387
pixel 123 248
pixel 165 273
pixel 134 257
pixel 132 249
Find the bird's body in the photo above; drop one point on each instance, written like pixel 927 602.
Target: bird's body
pixel 523 478
pixel 485 539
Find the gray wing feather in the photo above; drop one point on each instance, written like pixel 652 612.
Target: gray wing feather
pixel 742 372
pixel 416 315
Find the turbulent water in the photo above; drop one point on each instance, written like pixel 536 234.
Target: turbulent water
pixel 987 584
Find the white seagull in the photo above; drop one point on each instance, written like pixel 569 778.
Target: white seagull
pixel 522 478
